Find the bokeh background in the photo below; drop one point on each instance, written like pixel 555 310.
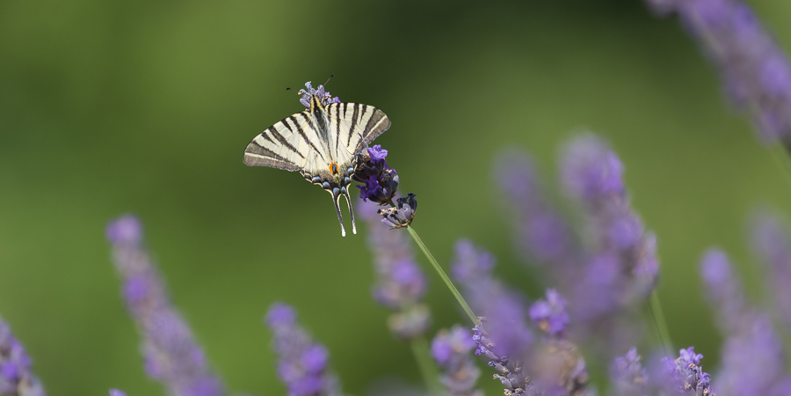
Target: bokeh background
pixel 145 107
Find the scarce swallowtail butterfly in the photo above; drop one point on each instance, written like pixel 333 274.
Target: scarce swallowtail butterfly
pixel 321 143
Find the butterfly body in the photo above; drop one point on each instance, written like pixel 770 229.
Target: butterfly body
pixel 320 142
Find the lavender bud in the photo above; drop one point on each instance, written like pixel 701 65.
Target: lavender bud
pixel 684 376
pixel 402 214
pixel 550 315
pixel 16 377
pixel 303 363
pixel 628 376
pixel 451 350
pixel 171 353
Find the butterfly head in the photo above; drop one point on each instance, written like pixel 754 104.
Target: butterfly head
pixel 316 97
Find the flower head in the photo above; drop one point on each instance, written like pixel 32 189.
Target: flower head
pixel 452 352
pixel 380 182
pixel 16 377
pixel 170 351
pixel 325 96
pixel 550 315
pixel 628 375
pixel 303 363
pixel 402 214
pixel 684 376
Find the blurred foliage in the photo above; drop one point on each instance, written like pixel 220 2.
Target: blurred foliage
pixel 146 107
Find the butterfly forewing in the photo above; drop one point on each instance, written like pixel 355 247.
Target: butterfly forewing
pixel 353 127
pixel 289 144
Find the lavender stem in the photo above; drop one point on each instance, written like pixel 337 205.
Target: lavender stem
pixel 428 370
pixel 659 321
pixel 444 276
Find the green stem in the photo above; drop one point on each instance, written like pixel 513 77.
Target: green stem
pixel 427 368
pixel 444 276
pixel 659 321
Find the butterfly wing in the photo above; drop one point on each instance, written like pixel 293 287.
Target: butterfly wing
pixel 352 127
pixel 289 144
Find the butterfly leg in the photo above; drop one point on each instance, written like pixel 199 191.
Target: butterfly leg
pixel 345 193
pixel 336 199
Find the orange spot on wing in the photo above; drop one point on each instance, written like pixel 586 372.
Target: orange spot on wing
pixel 334 168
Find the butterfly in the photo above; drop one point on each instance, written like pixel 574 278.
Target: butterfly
pixel 322 143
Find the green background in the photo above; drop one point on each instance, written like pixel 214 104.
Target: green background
pixel 109 107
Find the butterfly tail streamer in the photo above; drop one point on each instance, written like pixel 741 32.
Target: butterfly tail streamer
pixel 351 211
pixel 336 199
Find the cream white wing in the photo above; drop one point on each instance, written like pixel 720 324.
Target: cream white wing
pixel 353 126
pixel 291 144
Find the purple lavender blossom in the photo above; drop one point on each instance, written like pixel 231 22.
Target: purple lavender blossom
pixel 171 353
pixel 550 315
pixel 303 363
pixel 380 182
pixel 770 240
pixel 451 350
pixel 542 232
pixel 116 392
pixel 400 283
pixel 325 96
pixel 683 375
pixel 628 376
pixel 16 377
pixel 752 355
pixel 621 268
pixel 754 69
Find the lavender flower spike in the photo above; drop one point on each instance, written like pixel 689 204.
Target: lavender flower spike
pixel 752 355
pixel 171 353
pixel 402 214
pixel 451 350
pixel 755 70
pixel 116 392
pixel 629 378
pixel 684 376
pixel 400 283
pixel 550 315
pixel 771 242
pixel 303 363
pixel 16 378
pixel 380 182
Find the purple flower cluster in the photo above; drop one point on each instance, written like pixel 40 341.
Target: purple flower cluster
pixel 609 275
pixel 524 366
pixel 325 96
pixel 451 350
pixel 303 363
pixel 171 353
pixel 400 283
pixel 755 70
pixel 770 240
pixel 753 360
pixel 684 375
pixel 16 378
pixel 380 182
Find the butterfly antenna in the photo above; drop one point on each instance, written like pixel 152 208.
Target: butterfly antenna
pixel 336 199
pixel 351 211
pixel 328 80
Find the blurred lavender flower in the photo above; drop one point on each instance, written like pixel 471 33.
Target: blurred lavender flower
pixel 752 357
pixel 754 69
pixel 550 315
pixel 621 268
pixel 171 354
pixel 771 243
pixel 303 363
pixel 325 96
pixel 451 350
pixel 116 392
pixel 402 214
pixel 16 378
pixel 541 232
pixel 380 182
pixel 628 376
pixel 400 283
